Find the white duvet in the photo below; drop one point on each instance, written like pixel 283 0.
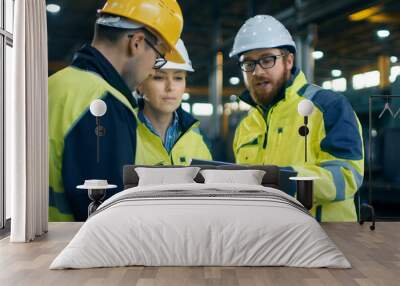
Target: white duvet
pixel 206 230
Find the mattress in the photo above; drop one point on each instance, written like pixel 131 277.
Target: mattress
pixel 201 225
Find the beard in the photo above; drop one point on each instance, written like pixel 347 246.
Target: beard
pixel 263 89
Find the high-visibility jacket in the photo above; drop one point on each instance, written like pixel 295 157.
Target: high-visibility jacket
pixel 269 135
pixel 72 138
pixel 190 144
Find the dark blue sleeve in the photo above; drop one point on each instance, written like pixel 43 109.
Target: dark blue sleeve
pixel 117 148
pixel 343 137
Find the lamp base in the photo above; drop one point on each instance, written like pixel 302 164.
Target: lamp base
pixel 305 193
pixel 97 196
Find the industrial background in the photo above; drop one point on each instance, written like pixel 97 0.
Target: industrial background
pixel 350 46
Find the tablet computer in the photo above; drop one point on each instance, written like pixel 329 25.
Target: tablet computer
pixel 209 162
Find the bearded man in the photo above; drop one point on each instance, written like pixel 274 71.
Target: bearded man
pixel 269 134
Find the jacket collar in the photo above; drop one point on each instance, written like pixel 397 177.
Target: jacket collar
pixel 296 81
pixel 185 119
pixel 90 59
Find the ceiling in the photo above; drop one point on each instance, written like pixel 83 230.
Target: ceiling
pixel 348 45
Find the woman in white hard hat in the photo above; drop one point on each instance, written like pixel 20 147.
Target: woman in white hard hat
pixel 166 134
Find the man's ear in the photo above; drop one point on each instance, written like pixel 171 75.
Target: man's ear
pixel 136 43
pixel 290 61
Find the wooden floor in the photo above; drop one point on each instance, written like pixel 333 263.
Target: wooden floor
pixel 375 257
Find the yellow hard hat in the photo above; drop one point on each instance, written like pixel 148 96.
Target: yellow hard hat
pixel 162 16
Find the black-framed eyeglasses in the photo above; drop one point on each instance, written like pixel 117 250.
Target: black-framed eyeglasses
pixel 266 62
pixel 160 60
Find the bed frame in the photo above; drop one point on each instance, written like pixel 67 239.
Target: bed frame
pixel 270 179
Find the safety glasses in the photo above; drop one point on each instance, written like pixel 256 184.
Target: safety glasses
pixel 266 62
pixel 160 60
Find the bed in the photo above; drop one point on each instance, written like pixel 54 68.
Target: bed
pixel 201 224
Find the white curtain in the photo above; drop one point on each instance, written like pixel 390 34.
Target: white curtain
pixel 26 124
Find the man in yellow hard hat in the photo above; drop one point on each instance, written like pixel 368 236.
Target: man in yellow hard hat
pixel 131 39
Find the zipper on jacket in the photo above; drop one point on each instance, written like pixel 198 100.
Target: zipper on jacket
pixel 266 132
pixel 184 133
pixel 265 139
pixel 180 136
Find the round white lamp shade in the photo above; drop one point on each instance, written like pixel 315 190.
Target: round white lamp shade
pixel 305 107
pixel 98 107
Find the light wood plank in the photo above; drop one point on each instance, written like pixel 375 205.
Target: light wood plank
pixel 375 257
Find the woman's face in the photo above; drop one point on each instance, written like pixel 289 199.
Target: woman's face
pixel 163 91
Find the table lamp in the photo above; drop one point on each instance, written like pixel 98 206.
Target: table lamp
pixel 305 108
pixel 98 108
pixel 305 184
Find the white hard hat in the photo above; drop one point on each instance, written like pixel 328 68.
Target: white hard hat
pixel 187 66
pixel 261 31
pixel 117 22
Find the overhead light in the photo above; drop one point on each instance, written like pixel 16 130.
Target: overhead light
pixel 339 84
pixel 53 8
pixel 393 59
pixel 202 109
pixel 394 73
pixel 336 73
pixel 365 80
pixel 327 84
pixel 383 33
pixel 317 55
pixel 244 106
pixel 234 80
pixel 186 106
pixel 185 96
pixel 365 13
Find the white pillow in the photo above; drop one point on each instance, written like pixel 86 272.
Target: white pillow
pixel 164 176
pixel 248 177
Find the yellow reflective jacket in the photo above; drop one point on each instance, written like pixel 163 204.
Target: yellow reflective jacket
pixel 72 140
pixel 190 144
pixel 335 149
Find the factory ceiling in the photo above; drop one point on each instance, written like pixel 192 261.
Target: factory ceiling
pixel 345 30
